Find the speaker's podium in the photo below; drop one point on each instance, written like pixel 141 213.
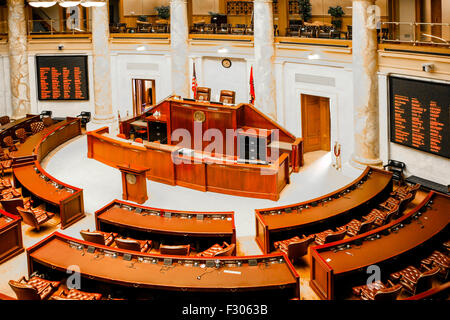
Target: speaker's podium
pixel 134 183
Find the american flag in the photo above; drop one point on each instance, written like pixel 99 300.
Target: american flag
pixel 194 83
pixel 252 87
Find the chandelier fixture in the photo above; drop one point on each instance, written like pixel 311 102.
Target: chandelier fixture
pixel 66 3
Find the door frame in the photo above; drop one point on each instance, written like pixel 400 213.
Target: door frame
pixel 133 92
pixel 304 97
pixel 334 114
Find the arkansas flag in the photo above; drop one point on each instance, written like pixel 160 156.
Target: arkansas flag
pixel 194 83
pixel 252 87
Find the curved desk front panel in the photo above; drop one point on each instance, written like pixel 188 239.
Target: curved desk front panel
pixel 200 171
pixel 271 274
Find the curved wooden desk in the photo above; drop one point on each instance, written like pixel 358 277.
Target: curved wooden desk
pixel 270 274
pixel 28 173
pixel 272 224
pixel 334 260
pixel 155 223
pixel 10 236
pixel 204 172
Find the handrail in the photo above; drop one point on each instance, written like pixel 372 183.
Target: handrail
pixel 60 26
pixel 416 31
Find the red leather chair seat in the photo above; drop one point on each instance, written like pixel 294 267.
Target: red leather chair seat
pixel 6 164
pixel 411 273
pixel 74 294
pixel 44 287
pixel 277 244
pixel 320 237
pixel 211 252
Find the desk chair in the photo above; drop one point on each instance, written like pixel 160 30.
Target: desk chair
pixel 9 193
pixel 10 143
pixel 329 236
pixel 74 294
pixel 397 168
pixel 413 280
pixel 85 117
pixel 377 291
pixel 203 94
pixel 227 96
pixel 238 29
pixel 37 127
pixel 356 227
pixel 35 217
pixel 180 250
pixel 21 134
pixel 35 288
pixel 134 245
pixel 440 260
pixel 218 250
pixel 295 248
pixel 99 237
pixel 10 205
pixel 5 183
pixel 48 121
pixel 4 120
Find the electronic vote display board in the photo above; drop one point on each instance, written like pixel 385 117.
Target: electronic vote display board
pixel 62 77
pixel 419 115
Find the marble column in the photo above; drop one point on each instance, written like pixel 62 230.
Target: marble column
pixel 179 35
pixel 264 76
pixel 18 59
pixel 103 112
pixel 365 87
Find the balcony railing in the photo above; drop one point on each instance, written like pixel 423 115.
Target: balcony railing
pixel 416 33
pixel 66 26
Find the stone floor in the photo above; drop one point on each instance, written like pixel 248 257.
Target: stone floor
pixel 102 184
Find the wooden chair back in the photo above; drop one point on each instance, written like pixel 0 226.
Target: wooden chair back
pixel 10 205
pixel 128 244
pixel 203 94
pixel 180 250
pixel 228 251
pixel 28 217
pixel 92 236
pixel 227 96
pixel 388 294
pixel 24 291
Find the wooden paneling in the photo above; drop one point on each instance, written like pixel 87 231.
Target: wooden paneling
pixel 10 236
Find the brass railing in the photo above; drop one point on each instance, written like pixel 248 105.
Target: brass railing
pixel 61 26
pixel 416 33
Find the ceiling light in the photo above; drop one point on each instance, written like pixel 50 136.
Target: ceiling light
pixel 223 50
pixel 41 4
pixel 93 3
pixel 69 3
pixel 314 56
pixel 141 48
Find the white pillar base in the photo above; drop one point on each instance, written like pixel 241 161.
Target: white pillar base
pixel 360 163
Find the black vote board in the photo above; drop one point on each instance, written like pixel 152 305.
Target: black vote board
pixel 62 77
pixel 419 115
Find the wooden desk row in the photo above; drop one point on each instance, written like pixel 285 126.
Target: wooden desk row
pixel 332 263
pixel 35 181
pixel 171 225
pixel 159 274
pixel 10 236
pixel 199 171
pixel 279 223
pixel 10 128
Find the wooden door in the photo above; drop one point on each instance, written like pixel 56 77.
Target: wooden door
pixel 315 123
